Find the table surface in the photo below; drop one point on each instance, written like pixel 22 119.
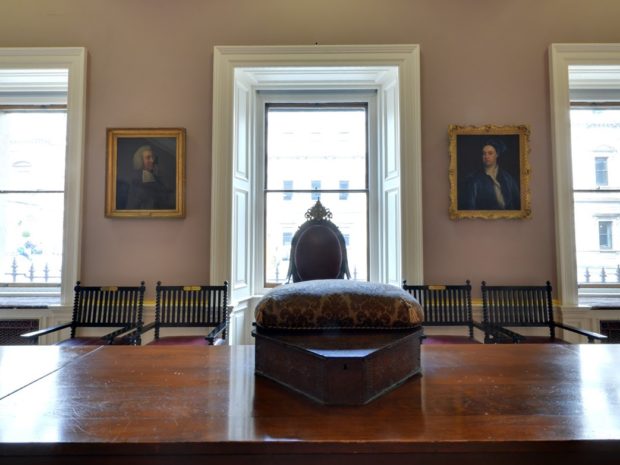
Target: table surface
pixel 521 403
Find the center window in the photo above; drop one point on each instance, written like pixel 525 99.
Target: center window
pixel 315 152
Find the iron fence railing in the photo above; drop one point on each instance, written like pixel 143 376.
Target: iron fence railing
pixel 599 275
pixel 30 274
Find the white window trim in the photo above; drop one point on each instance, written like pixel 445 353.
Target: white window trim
pixel 561 56
pixel 228 59
pixel 74 60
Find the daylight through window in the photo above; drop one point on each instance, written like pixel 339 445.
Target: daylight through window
pixel 595 132
pixel 32 180
pixel 315 152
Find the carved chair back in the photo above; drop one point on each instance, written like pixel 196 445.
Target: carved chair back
pixel 192 306
pixel 445 305
pixel 318 249
pixel 523 306
pixel 107 306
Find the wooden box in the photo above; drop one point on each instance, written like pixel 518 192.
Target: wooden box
pixel 339 368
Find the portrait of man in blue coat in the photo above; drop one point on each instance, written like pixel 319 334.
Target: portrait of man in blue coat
pixel 490 186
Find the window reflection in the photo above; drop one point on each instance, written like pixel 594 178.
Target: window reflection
pixel 600 396
pixel 31 410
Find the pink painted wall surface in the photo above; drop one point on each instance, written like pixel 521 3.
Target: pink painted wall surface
pixel 150 64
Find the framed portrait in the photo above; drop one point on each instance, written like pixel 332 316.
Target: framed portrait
pixel 489 172
pixel 145 173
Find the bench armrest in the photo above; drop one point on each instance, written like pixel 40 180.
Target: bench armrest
pixel 147 327
pixel 44 331
pixel 219 329
pixel 494 334
pixel 591 335
pixel 130 331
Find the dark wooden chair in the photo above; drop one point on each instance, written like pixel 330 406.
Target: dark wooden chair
pixel 190 307
pixel 524 306
pixel 445 305
pixel 318 249
pixel 117 307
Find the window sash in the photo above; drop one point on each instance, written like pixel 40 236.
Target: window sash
pixel 595 275
pixel 605 235
pixel 314 186
pixel 601 174
pixel 28 267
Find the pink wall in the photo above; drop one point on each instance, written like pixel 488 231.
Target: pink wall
pixel 150 65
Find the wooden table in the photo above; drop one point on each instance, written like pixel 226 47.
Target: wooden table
pixel 474 404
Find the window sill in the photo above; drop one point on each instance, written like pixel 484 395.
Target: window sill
pixel 24 300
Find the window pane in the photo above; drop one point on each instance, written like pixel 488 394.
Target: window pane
pixel 604 234
pixel 344 185
pixel 596 180
pixel 285 217
pixel 595 135
pixel 315 186
pixel 591 236
pixel 601 171
pixel 287 185
pixel 32 150
pixel 301 140
pixel 31 238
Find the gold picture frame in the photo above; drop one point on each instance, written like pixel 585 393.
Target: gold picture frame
pixel 489 172
pixel 145 173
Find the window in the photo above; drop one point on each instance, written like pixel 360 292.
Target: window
pixel 316 187
pixel 344 187
pixel 585 84
pixel 40 173
pixel 595 129
pixel 600 164
pixel 316 141
pixel 32 174
pixel 604 235
pixel 287 237
pixel 392 72
pixel 287 187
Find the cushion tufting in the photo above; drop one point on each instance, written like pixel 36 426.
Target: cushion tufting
pixel 338 303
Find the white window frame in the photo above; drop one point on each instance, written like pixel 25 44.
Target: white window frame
pixel 72 59
pixel 231 61
pixel 561 57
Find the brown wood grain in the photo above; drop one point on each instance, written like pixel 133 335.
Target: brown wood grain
pixel 506 403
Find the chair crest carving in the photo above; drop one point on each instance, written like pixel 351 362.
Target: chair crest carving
pixel 318 212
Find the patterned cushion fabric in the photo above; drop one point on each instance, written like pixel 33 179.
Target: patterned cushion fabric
pixel 338 303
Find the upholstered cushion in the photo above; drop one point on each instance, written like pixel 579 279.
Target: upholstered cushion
pixel 338 303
